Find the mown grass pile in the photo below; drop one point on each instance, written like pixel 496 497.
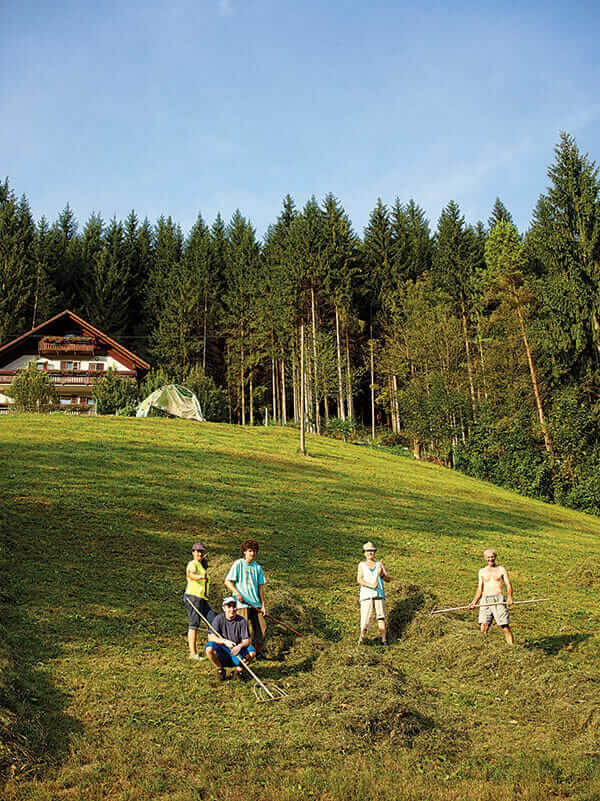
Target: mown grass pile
pixel 98 699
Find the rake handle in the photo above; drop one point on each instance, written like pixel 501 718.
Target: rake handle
pixel 468 606
pixel 281 623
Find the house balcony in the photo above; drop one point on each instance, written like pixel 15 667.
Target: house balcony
pixel 63 346
pixel 62 378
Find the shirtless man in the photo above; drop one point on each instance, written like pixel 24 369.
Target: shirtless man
pixel 489 590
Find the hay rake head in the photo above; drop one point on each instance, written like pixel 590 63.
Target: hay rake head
pixel 263 693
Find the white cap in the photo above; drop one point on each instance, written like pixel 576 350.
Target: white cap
pixel 229 600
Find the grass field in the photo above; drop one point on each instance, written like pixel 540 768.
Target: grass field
pixel 97 697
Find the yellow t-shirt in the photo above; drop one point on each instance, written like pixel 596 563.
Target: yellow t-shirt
pixel 197 588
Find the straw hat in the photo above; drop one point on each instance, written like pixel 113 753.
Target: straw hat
pixel 368 546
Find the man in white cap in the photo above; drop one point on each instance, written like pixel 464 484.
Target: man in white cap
pixel 229 641
pixel 370 577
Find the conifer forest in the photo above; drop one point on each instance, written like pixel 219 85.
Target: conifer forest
pixel 472 344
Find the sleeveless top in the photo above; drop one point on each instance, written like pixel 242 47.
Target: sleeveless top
pixel 368 574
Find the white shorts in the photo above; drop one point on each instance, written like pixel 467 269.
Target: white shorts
pixel 367 608
pixel 497 612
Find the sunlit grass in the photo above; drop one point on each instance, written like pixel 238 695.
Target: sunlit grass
pixel 99 701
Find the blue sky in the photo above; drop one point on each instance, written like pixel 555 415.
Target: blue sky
pixel 184 107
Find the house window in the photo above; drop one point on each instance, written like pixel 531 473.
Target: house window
pixel 96 367
pixel 69 367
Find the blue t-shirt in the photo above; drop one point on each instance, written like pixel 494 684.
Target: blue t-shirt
pixel 246 579
pixel 235 630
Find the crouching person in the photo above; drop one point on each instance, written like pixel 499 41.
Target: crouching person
pixel 229 641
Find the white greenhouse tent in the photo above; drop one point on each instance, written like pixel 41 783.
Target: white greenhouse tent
pixel 173 399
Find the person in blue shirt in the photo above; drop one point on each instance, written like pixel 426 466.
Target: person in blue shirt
pixel 246 581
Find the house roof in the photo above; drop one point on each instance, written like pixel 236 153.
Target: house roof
pixel 88 328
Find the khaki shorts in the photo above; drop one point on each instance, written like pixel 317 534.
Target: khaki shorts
pixel 498 612
pixel 257 625
pixel 367 608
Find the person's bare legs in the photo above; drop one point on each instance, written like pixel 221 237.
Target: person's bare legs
pixel 211 654
pixel 508 635
pixel 192 641
pixel 484 628
pixel 382 631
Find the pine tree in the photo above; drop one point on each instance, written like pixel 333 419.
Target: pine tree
pixel 564 246
pixel 107 296
pixel 68 273
pixel 198 260
pixel 242 258
pixel 341 265
pixel 453 272
pixel 16 262
pixel 45 299
pixel 499 212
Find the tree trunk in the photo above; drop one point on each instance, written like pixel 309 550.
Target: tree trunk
pixel 314 331
pixel 243 389
pixel 468 350
pixel 341 410
pixel 204 331
pixel 372 391
pixel 274 382
pixel 349 401
pixel 295 388
pixel 536 392
pixel 481 359
pixel 302 421
pixel 251 400
pixel 283 395
pixel 396 404
pixel 36 296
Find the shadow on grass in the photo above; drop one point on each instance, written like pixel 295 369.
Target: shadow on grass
pixel 404 610
pixel 34 728
pixel 552 645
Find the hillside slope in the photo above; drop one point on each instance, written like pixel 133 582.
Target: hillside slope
pixel 98 700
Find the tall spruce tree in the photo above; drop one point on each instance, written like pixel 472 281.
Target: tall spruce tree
pixel 564 245
pixel 16 261
pixel 453 272
pixel 107 296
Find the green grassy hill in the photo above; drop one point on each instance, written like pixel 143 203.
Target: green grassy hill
pixel 97 697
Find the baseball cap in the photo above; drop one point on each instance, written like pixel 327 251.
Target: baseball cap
pixel 229 600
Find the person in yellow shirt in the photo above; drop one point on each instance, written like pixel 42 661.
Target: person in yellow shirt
pixel 195 596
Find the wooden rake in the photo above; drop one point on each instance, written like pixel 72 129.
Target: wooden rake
pixel 497 603
pixel 262 693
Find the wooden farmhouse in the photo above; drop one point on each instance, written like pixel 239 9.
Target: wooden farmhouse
pixel 72 353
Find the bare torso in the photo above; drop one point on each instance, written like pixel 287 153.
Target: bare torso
pixel 493 579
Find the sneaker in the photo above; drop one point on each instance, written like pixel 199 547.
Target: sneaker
pixel 196 657
pixel 221 674
pixel 385 644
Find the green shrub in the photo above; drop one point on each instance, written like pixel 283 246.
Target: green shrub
pixel 127 411
pixel 340 429
pixel 112 392
pixel 33 391
pixel 509 452
pixel 213 399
